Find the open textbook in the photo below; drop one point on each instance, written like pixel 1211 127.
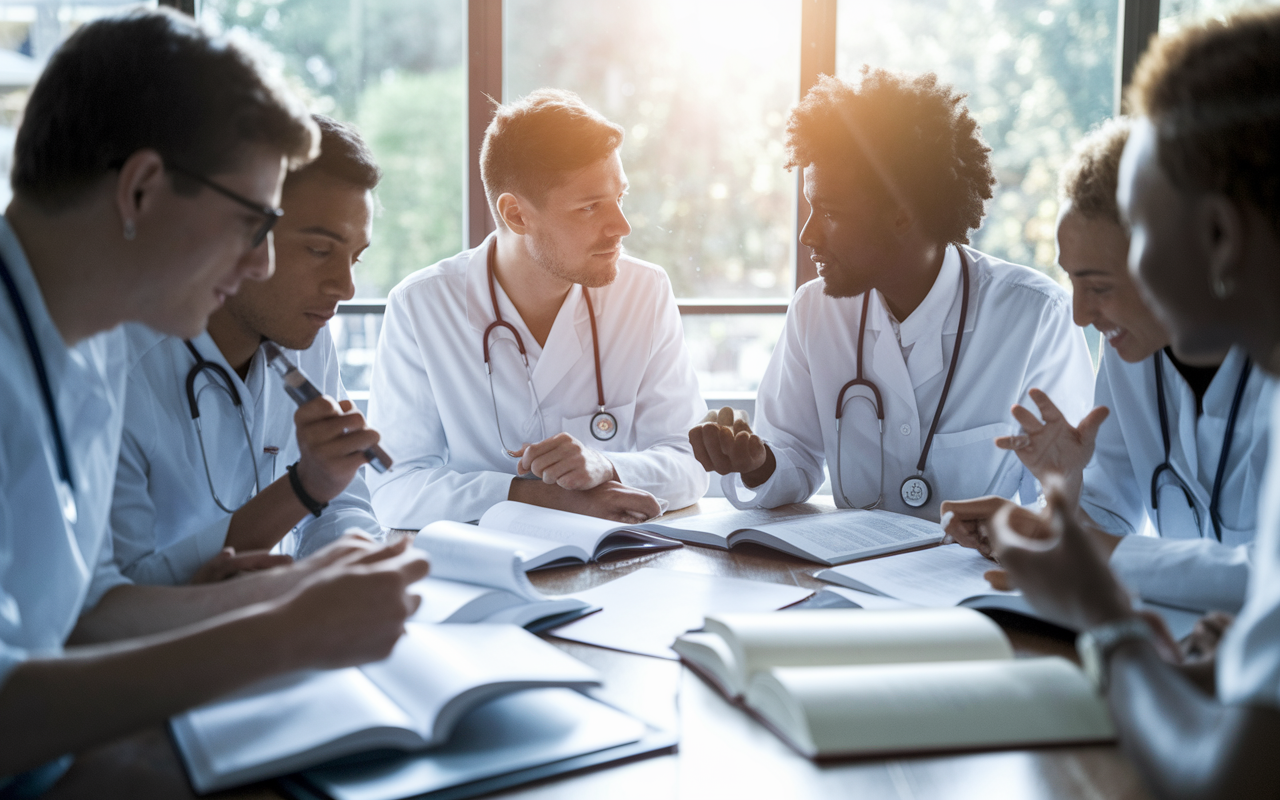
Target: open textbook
pixel 952 575
pixel 837 683
pixel 549 537
pixel 478 575
pixel 409 701
pixel 817 533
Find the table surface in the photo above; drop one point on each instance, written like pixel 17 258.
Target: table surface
pixel 722 752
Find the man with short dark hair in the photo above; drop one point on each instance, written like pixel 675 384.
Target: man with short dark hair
pixel 167 526
pixel 896 368
pixel 545 352
pixel 147 177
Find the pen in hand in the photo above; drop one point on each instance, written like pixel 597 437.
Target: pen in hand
pixel 303 391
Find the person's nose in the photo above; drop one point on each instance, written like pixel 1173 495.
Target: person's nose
pixel 259 263
pixel 339 279
pixel 809 235
pixel 618 225
pixel 1083 312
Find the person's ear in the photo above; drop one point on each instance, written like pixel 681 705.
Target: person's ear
pixel 512 213
pixel 1220 231
pixel 138 189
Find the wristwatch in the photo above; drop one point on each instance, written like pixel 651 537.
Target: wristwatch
pixel 1096 645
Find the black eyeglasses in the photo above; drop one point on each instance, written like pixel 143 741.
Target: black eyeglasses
pixel 270 214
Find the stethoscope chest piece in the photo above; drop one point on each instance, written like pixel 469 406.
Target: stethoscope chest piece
pixel 916 491
pixel 604 426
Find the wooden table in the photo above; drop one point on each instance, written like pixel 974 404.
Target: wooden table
pixel 723 753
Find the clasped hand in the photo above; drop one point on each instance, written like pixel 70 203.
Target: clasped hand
pixel 564 461
pixel 724 443
pixel 332 438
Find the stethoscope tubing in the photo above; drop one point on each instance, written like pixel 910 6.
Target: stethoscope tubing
pixel 222 382
pixel 604 426
pixel 1215 516
pixel 860 380
pixel 42 374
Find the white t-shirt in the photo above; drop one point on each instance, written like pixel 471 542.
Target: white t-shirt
pixel 55 556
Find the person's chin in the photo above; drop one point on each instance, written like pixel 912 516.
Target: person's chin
pixel 295 339
pixel 595 275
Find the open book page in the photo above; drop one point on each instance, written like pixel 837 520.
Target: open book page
pixel 850 533
pixel 564 527
pixel 824 638
pixel 936 577
pixel 715 529
pixel 486 556
pixel 245 736
pixel 437 672
pixel 913 707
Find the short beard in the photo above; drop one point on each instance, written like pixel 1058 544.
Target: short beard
pixel 547 256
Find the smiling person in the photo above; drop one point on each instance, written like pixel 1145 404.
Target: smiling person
pixel 1200 187
pixel 897 366
pixel 151 206
pixel 545 365
pixel 1184 446
pixel 211 490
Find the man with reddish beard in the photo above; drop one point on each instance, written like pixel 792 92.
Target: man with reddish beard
pixel 544 353
pixel 204 498
pixel 896 368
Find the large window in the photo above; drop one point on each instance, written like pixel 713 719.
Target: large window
pixel 394 68
pixel 702 89
pixel 1039 74
pixel 1177 13
pixel 29 33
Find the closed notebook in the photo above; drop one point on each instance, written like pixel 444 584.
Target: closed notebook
pixel 836 683
pixel 409 701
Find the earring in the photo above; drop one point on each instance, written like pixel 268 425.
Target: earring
pixel 130 230
pixel 1223 287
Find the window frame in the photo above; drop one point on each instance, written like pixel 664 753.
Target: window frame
pixel 1137 21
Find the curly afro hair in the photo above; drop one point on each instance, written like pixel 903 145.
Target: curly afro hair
pixel 912 139
pixel 1210 90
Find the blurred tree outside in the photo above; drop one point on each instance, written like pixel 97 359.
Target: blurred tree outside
pixel 393 68
pixel 1038 74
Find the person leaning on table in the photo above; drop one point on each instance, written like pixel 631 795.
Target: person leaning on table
pixel 1200 188
pixel 544 353
pixel 1202 507
pixel 104 229
pixel 896 173
pixel 200 500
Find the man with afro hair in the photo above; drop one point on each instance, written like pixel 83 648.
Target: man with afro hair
pixel 897 366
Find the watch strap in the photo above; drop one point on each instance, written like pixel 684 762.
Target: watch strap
pixel 1096 646
pixel 310 503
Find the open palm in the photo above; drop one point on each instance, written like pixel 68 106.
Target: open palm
pixel 1049 445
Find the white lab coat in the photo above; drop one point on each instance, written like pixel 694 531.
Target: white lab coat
pixel 52 563
pixel 1184 565
pixel 430 393
pixel 163 518
pixel 1249 657
pixel 1018 335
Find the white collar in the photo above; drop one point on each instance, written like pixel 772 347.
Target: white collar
pixel 929 317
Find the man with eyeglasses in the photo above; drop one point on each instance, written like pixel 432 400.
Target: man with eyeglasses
pixel 202 491
pixel 103 230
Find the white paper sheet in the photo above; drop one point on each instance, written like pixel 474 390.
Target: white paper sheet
pixel 646 610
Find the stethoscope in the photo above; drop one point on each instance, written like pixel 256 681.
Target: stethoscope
pixel 46 393
pixel 217 379
pixel 604 426
pixel 915 490
pixel 1167 466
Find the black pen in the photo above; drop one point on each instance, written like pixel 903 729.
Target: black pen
pixel 302 391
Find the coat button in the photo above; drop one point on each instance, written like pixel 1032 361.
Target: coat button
pixel 906 430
